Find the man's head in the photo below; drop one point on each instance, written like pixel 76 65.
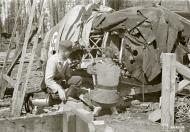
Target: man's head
pixel 65 49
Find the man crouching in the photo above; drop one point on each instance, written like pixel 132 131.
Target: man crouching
pixel 58 71
pixel 105 94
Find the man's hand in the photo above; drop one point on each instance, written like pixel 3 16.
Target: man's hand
pixel 62 94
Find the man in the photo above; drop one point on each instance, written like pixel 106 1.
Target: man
pixel 107 73
pixel 58 71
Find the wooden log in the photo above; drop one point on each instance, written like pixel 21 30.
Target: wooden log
pixel 168 89
pixel 16 105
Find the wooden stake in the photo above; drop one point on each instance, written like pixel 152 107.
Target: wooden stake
pixel 16 105
pixel 168 89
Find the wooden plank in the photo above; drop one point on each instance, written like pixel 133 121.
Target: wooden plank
pixel 168 89
pixel 9 80
pixel 16 105
pixel 182 84
pixel 183 70
pixel 51 122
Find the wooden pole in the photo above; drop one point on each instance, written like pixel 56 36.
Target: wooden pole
pixel 168 89
pixel 16 105
pixel 23 91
